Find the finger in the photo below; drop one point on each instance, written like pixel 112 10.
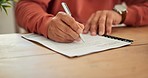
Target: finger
pixel 70 21
pixel 64 36
pixel 101 23
pixel 94 21
pixel 87 25
pixel 80 25
pixel 53 36
pixel 58 38
pixel 67 30
pixel 109 23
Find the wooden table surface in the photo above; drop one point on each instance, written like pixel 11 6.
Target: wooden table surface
pixel 20 58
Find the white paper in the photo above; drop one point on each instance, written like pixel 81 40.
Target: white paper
pixel 92 44
pixel 119 25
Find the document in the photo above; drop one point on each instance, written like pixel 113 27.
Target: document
pixel 92 44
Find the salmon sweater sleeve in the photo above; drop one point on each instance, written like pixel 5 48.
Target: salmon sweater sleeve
pixel 32 15
pixel 137 12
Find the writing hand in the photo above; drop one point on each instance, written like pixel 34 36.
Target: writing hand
pixel 64 28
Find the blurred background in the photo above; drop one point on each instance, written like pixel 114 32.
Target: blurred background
pixel 8 23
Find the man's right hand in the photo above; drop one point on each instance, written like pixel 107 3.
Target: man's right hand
pixel 64 28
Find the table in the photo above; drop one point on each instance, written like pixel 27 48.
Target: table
pixel 20 58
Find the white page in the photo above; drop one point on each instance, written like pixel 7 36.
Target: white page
pixel 92 44
pixel 119 25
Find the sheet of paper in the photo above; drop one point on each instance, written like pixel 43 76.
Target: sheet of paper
pixel 92 44
pixel 119 25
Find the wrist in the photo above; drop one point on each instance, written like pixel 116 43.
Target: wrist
pixel 121 9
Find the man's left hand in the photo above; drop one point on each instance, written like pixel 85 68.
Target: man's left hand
pixel 101 22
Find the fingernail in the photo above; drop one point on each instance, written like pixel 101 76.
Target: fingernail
pixel 108 33
pixel 79 39
pixel 93 33
pixel 101 33
pixel 84 31
pixel 79 30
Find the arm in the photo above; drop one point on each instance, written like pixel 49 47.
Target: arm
pixel 137 12
pixel 101 21
pixel 32 15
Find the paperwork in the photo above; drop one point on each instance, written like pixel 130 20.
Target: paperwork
pixel 92 44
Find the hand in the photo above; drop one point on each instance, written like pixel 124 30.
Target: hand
pixel 64 28
pixel 101 22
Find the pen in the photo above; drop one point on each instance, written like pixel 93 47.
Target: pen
pixel 64 5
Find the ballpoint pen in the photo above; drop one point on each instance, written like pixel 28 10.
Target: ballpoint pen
pixel 65 7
